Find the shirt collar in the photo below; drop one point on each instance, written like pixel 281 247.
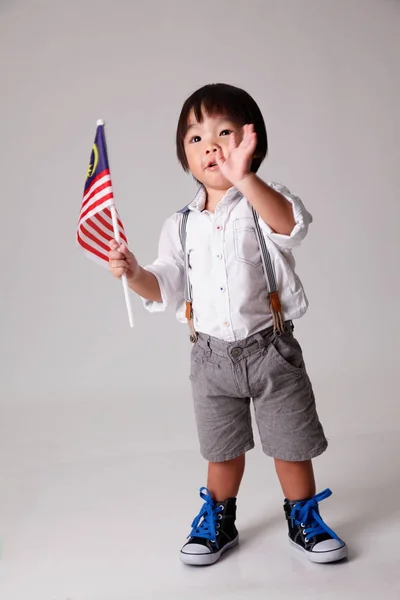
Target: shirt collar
pixel 199 201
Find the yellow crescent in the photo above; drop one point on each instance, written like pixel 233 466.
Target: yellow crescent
pixel 92 167
pixel 96 158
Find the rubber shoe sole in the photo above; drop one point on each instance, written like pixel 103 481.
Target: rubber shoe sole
pixel 208 558
pixel 323 557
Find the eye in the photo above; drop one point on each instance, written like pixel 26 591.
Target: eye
pixel 194 139
pixel 226 132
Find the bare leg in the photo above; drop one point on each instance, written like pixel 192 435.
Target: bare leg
pixel 224 478
pixel 296 478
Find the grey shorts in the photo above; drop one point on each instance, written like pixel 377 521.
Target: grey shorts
pixel 270 371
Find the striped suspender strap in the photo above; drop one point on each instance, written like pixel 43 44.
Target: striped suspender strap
pixel 275 303
pixel 188 287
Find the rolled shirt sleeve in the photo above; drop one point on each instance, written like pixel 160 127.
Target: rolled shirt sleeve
pixel 302 218
pixel 168 267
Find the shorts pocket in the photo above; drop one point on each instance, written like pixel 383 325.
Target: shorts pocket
pixel 286 351
pixel 196 362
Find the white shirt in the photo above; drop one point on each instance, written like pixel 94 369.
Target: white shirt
pixel 230 294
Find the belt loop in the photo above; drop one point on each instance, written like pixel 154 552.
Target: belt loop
pixel 260 340
pixel 264 341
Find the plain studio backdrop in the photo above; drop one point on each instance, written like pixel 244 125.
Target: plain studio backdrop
pixel 99 461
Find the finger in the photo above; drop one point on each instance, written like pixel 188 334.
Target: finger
pixel 232 142
pixel 219 157
pixel 246 136
pixel 118 265
pixel 251 133
pixel 124 250
pixel 116 255
pixel 118 272
pixel 117 262
pixel 250 141
pixel 114 245
pixel 253 142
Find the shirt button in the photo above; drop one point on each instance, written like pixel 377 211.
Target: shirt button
pixel 219 256
pixel 222 289
pixel 226 323
pixel 219 227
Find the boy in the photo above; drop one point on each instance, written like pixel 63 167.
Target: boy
pixel 229 252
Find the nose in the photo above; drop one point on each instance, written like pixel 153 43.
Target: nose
pixel 211 144
pixel 211 148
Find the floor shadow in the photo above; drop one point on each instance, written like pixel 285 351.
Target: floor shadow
pixel 375 506
pixel 259 528
pixel 369 485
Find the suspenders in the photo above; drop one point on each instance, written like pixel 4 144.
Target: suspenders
pixel 273 293
pixel 188 286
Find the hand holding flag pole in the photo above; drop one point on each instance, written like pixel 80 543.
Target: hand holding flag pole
pixel 123 278
pixel 99 221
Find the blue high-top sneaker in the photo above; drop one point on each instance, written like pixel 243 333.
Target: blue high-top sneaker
pixel 213 531
pixel 309 533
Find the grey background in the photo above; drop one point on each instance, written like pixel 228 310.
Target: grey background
pixel 326 77
pixel 76 382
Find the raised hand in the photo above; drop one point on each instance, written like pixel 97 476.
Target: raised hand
pixel 237 164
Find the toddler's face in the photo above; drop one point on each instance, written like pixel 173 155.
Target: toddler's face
pixel 201 143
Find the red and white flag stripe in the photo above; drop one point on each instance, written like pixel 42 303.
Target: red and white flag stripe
pixel 95 226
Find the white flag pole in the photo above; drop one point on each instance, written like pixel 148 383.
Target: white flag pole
pixel 123 278
pixel 118 240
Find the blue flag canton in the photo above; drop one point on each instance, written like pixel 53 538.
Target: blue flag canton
pixel 98 158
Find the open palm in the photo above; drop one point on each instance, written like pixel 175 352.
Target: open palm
pixel 237 164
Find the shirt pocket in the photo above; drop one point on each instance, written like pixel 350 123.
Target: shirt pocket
pixel 245 241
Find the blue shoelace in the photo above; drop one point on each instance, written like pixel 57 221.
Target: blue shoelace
pixel 306 515
pixel 204 525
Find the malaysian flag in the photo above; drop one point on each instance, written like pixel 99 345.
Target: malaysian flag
pixel 95 226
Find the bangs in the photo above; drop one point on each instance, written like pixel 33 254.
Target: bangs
pixel 217 102
pixel 213 100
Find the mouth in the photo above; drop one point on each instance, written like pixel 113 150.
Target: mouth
pixel 212 166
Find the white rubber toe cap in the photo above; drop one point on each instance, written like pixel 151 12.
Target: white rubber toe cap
pixel 327 545
pixel 325 552
pixel 195 549
pixel 196 554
